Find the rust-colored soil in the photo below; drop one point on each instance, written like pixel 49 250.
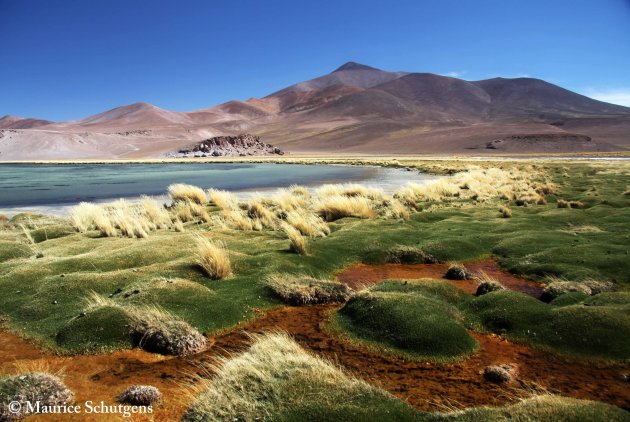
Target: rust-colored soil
pixel 366 275
pixel 423 385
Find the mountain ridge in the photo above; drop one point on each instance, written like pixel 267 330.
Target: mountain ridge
pixel 354 108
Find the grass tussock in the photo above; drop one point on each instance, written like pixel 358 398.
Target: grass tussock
pixel 297 241
pixel 331 208
pixel 223 199
pixel 478 184
pixel 569 204
pixel 307 224
pixel 256 210
pixel 505 211
pixel 403 254
pixel 557 287
pixel 158 331
pixel 187 193
pixel 278 380
pixel 155 212
pixel 123 218
pixel 487 284
pixel 237 220
pixel 213 258
pixel 304 290
pixel 31 387
pixel 457 272
pixel 141 395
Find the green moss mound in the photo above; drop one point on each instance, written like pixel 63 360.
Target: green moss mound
pixel 601 332
pixel 424 325
pixel 13 250
pixel 541 409
pixel 99 330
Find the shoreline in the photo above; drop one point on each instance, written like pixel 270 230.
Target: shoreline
pixel 336 158
pixel 388 179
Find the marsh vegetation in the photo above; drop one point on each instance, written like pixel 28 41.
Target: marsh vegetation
pixel 143 274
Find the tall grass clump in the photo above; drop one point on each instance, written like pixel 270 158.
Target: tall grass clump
pixel 158 331
pixel 487 284
pixel 83 215
pixel 213 258
pixel 505 211
pixel 238 220
pixel 307 223
pixel 155 212
pixel 332 208
pixel 304 290
pixel 278 380
pixel 184 192
pixel 297 241
pixel 33 387
pixel 256 209
pixel 223 199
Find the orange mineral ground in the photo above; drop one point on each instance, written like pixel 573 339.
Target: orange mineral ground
pixel 426 386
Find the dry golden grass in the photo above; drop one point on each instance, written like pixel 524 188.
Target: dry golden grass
pixel 506 211
pixel 155 212
pixel 113 219
pixel 270 378
pixel 294 198
pixel 350 190
pixel 27 234
pixel 178 226
pixel 332 208
pixel 307 223
pixel 304 290
pixel 82 216
pixel 223 199
pixel 298 243
pixel 213 258
pixel 238 221
pixel 256 209
pixel 569 204
pixel 183 192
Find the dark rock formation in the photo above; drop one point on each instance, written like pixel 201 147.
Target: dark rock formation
pixel 229 146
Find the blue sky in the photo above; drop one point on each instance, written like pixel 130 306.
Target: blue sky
pixel 68 59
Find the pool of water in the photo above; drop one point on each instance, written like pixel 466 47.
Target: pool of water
pixel 44 187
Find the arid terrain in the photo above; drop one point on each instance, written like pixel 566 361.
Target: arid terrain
pixel 354 109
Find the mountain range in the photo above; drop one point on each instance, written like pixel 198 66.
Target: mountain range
pixel 354 109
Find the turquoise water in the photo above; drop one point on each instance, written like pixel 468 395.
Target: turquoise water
pixel 34 185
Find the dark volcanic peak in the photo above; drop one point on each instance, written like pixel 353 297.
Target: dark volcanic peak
pixel 354 66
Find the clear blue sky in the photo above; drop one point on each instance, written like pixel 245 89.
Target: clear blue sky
pixel 68 59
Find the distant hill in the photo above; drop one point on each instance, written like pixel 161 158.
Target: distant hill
pixel 13 122
pixel 355 109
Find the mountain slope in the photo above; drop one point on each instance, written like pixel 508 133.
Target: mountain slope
pixel 14 122
pixel 355 109
pixel 350 74
pixel 136 114
pixel 527 96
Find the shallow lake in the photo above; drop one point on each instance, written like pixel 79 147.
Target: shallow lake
pixel 43 187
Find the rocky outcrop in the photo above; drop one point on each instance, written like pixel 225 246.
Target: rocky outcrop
pixel 229 146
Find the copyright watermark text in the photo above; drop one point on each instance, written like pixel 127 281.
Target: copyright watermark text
pixel 88 407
